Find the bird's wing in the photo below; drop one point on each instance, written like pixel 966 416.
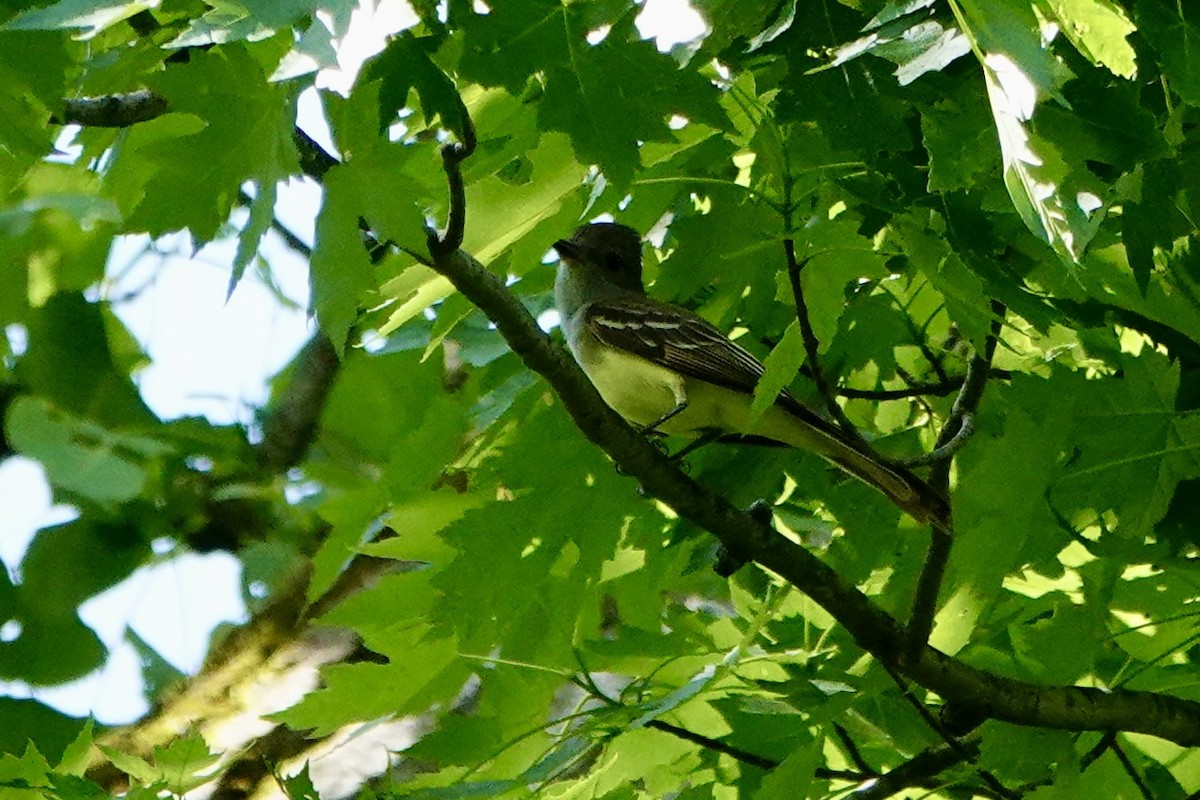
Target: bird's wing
pixel 675 338
pixel 679 340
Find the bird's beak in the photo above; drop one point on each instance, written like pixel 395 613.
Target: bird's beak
pixel 567 249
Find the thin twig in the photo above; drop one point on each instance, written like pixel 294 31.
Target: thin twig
pixel 918 334
pixel 852 751
pixel 929 584
pixel 1130 770
pixel 811 348
pixel 715 745
pixel 284 232
pixel 584 681
pixel 920 770
pixel 971 393
pixel 946 451
pixel 939 389
pixel 953 743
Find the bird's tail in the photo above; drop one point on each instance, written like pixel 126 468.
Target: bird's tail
pixel 906 490
pixel 794 424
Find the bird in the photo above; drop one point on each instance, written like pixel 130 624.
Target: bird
pixel 667 370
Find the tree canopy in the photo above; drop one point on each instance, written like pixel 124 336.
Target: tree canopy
pixel 963 230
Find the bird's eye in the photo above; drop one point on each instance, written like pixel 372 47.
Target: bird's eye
pixel 612 262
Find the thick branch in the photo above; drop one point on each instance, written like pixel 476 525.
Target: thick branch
pixel 114 110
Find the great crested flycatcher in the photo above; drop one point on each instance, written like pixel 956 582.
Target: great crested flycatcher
pixel 665 369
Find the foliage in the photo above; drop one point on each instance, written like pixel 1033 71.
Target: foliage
pixel 559 632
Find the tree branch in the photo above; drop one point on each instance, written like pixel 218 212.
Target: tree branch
pixel 291 420
pixel 1072 707
pixel 917 771
pixel 452 157
pixel 933 571
pixel 112 111
pixel 716 745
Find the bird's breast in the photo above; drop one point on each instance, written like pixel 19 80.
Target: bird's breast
pixel 637 389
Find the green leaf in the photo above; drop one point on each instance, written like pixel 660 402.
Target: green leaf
pixel 262 215
pixel 404 65
pixel 669 702
pixel 1176 37
pixel 1098 29
pixel 24 721
pixel 782 366
pixel 299 786
pixel 76 756
pixel 1061 204
pixel 961 140
pixel 915 43
pixel 158 674
pixel 1022 755
pixel 70 364
pixel 419 660
pixel 184 762
pixel 137 768
pixel 66 564
pixel 50 649
pixel 1134 448
pixel 241 21
pixel 227 125
pixel 340 268
pixel 794 776
pixel 631 75
pixel 76 787
pixel 87 16
pixel 80 457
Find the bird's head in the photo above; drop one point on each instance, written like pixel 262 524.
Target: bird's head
pixel 606 249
